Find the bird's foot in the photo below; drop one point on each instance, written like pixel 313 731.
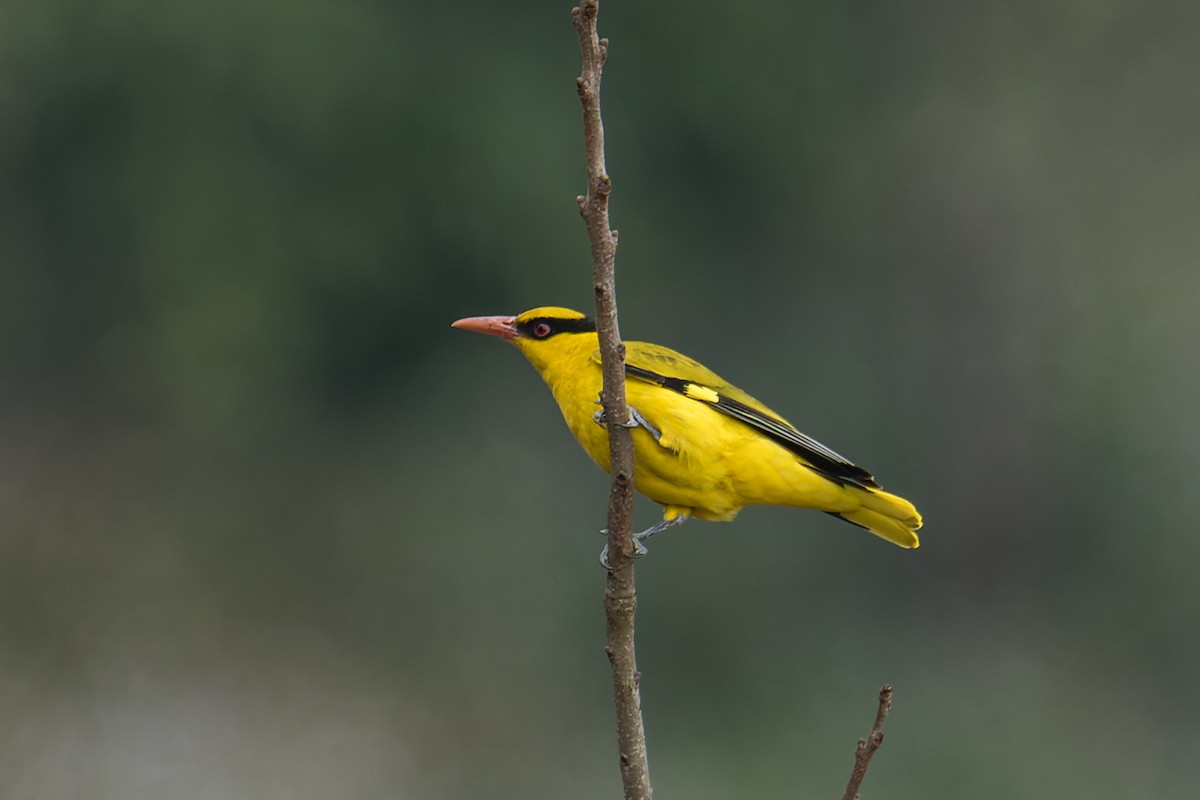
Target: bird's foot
pixel 636 420
pixel 639 548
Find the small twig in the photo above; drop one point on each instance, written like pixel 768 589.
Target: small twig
pixel 620 596
pixel 866 747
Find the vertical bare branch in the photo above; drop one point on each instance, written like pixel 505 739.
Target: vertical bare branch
pixel 867 747
pixel 620 596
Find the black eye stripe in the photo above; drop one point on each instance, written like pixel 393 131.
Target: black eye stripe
pixel 533 328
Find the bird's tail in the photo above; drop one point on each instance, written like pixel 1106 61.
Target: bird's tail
pixel 888 516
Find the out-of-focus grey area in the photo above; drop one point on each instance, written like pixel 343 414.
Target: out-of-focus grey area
pixel 269 528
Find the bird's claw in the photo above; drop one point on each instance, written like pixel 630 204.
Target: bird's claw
pixel 601 419
pixel 639 550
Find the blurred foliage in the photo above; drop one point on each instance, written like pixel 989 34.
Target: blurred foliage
pixel 268 528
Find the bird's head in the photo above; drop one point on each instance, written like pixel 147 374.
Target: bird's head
pixel 543 334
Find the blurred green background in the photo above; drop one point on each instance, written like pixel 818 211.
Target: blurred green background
pixel 270 529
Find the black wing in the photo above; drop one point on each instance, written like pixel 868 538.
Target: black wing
pixel 825 461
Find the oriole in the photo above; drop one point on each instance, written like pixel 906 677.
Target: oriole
pixel 702 447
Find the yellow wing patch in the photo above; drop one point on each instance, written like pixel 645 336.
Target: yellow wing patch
pixel 701 393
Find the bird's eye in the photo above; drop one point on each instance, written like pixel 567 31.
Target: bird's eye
pixel 541 330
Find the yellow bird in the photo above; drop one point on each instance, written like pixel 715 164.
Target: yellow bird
pixel 702 447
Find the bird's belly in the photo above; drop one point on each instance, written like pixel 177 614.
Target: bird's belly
pixel 702 488
pixel 689 466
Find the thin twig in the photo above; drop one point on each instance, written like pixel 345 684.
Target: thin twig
pixel 866 747
pixel 620 596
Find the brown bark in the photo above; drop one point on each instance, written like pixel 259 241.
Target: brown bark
pixel 866 747
pixel 620 595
